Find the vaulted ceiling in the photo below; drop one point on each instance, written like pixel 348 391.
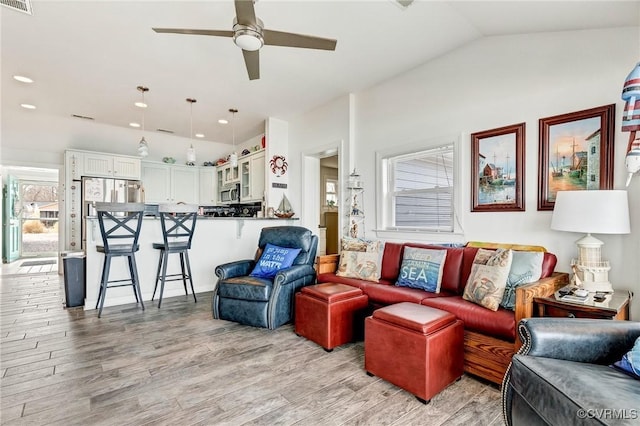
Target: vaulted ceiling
pixel 87 57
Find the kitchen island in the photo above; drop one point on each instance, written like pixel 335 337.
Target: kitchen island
pixel 216 240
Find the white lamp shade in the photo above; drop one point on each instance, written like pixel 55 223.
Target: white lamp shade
pixel 597 212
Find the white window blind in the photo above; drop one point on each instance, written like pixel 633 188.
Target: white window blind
pixel 421 187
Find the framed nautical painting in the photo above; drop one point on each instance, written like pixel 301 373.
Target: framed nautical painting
pixel 497 169
pixel 575 153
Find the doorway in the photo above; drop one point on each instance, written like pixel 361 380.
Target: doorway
pixel 39 218
pixel 329 202
pixel 323 185
pixel 30 215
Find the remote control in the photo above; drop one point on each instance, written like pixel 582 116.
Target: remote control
pixel 581 292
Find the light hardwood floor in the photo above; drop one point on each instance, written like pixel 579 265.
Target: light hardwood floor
pixel 178 366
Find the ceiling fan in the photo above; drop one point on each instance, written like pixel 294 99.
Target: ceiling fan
pixel 249 34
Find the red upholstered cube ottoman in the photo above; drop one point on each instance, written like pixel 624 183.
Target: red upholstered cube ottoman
pixel 420 350
pixel 325 313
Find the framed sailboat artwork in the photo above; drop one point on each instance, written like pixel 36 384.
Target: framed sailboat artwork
pixel 575 153
pixel 497 169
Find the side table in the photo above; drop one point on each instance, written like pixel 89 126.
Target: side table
pixel 615 307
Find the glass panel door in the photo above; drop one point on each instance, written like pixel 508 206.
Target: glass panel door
pixel 39 218
pixel 11 225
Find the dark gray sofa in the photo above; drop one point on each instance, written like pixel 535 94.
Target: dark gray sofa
pixel 561 375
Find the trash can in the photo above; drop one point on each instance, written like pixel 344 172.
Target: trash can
pixel 74 272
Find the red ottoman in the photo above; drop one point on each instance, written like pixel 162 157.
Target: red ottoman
pixel 420 350
pixel 325 313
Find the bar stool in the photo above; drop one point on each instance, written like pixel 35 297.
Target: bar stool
pixel 120 229
pixel 178 223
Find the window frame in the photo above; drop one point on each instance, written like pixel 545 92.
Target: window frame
pixel 336 185
pixel 384 191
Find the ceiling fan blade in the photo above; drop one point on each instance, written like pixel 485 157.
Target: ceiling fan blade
pixel 252 61
pixel 245 13
pixel 221 33
pixel 280 38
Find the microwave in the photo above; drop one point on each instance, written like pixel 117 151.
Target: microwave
pixel 230 193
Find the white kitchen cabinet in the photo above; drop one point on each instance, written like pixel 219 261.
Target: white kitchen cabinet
pixel 184 184
pixel 252 169
pixel 165 183
pixel 156 181
pixel 105 165
pixel 228 173
pixel 208 186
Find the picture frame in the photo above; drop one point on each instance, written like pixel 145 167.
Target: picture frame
pixel 575 152
pixel 497 169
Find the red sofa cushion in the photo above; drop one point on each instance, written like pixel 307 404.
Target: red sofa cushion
pixel 333 278
pixel 391 260
pixel 548 264
pixel 501 323
pixel 390 294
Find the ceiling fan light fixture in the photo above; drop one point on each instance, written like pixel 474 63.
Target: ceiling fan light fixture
pixel 248 39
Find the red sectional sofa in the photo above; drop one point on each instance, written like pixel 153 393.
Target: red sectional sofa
pixel 490 336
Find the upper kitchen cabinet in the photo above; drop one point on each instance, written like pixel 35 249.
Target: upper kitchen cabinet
pixel 113 166
pixel 165 183
pixel 208 186
pixel 228 174
pixel 252 170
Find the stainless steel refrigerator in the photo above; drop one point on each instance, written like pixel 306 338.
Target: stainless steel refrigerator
pixel 96 190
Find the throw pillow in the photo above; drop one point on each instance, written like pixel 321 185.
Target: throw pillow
pixel 360 244
pixel 273 259
pixel 422 268
pixel 360 264
pixel 487 282
pixel 526 267
pixel 630 362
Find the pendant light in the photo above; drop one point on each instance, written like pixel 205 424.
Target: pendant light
pixel 191 152
pixel 143 147
pixel 233 158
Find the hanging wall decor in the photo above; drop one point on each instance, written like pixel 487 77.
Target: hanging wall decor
pixel 575 153
pixel 278 165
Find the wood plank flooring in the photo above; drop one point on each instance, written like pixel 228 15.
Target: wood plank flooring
pixel 178 366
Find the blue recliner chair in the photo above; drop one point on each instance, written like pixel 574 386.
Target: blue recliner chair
pixel 561 374
pixel 262 302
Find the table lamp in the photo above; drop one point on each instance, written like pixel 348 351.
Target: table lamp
pixel 598 212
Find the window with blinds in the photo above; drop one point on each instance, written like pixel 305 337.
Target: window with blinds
pixel 421 190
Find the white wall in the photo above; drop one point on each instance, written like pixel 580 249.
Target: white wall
pixel 491 83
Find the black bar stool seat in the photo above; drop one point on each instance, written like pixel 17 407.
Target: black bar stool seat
pixel 120 225
pixel 178 222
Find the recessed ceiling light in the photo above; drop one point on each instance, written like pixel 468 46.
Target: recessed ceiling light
pixel 140 104
pixel 28 106
pixel 134 124
pixel 223 121
pixel 22 79
pixel 199 135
